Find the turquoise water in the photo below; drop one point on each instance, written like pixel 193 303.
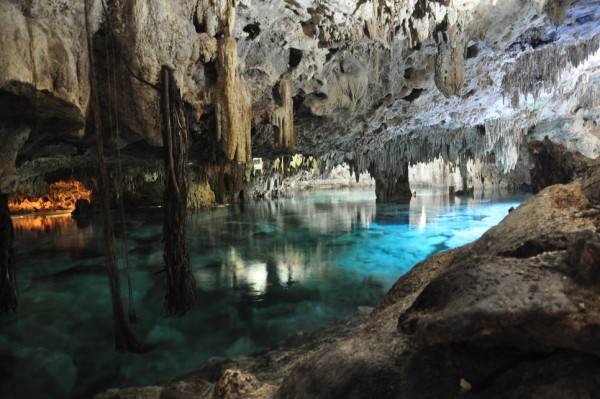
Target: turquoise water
pixel 264 270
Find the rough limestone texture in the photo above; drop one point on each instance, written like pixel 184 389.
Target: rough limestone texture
pixel 233 107
pixel 282 117
pixel 514 314
pixel 358 79
pixel 12 138
pixel 553 164
pixel 44 67
pixel 450 62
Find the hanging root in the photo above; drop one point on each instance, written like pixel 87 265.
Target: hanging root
pixel 125 341
pixel 8 286
pixel 180 295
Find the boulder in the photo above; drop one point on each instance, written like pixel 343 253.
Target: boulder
pixel 553 164
pixel 496 318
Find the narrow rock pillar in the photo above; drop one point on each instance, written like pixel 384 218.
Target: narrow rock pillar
pixel 12 138
pixel 391 186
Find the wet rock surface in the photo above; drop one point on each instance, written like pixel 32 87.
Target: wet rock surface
pixel 514 314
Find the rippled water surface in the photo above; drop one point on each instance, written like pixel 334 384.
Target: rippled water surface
pixel 263 270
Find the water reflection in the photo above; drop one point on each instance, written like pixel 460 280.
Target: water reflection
pixel 51 224
pixel 263 271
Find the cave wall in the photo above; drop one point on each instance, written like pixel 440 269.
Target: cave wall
pixel 378 83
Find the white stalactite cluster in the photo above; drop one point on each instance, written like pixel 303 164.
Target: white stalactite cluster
pixel 541 70
pixel 500 137
pixel 503 137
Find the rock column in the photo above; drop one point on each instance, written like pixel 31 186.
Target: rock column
pixel 391 186
pixel 12 138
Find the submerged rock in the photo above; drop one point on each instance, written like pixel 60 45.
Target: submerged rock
pixel 514 314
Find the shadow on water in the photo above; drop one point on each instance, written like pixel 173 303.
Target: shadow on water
pixel 263 272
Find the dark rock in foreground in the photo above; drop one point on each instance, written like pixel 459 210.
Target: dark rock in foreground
pixel 553 164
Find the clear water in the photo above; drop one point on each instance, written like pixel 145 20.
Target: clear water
pixel 264 270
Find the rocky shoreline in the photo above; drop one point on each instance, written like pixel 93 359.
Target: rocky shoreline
pixel 514 314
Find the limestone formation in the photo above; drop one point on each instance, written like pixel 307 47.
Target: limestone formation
pixel 392 185
pixel 378 85
pixel 233 107
pixel 12 137
pixel 362 74
pixel 282 117
pixel 536 71
pixel 552 164
pixel 513 314
pixel 235 384
pixel 43 78
pixel 450 62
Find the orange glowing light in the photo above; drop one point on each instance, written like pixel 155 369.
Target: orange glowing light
pixel 47 224
pixel 61 196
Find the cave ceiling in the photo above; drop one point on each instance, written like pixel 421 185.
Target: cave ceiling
pixel 431 76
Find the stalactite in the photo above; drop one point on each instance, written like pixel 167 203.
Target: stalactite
pixel 501 137
pixel 180 294
pixel 8 285
pixel 450 61
pixel 233 105
pixel 125 341
pixel 391 184
pixel 586 92
pixel 541 70
pixel 283 117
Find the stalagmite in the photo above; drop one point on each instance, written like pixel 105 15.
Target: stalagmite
pixel 180 294
pixel 233 105
pixel 282 118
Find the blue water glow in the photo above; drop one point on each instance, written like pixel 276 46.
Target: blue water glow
pixel 264 270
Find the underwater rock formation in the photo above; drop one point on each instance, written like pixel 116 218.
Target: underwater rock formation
pixel 514 313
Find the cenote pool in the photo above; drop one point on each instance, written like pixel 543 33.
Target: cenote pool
pixel 264 270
